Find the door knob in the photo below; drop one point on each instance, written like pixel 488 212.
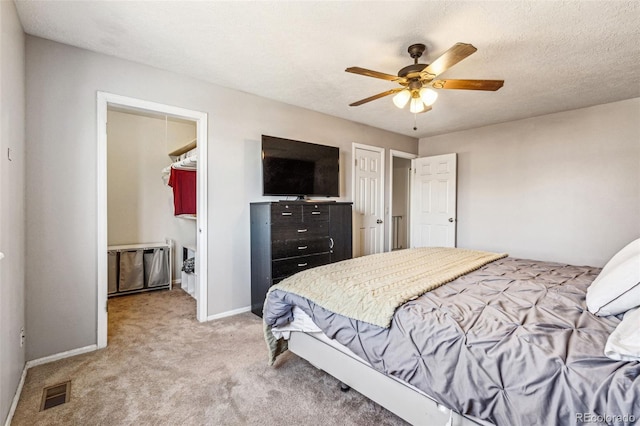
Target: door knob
pixel 451 219
pixel 379 221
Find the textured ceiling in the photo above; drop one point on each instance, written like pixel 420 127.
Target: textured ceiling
pixel 553 55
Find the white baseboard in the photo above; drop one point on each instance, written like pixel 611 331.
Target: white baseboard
pixel 177 281
pixel 61 355
pixel 229 313
pixel 16 397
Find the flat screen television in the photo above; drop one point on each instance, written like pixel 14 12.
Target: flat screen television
pixel 299 168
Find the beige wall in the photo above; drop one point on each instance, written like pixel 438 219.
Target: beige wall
pixel 140 204
pixel 12 203
pixel 562 187
pixel 179 133
pixel 61 203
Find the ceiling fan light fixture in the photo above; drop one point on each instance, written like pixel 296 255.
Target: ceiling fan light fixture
pixel 428 96
pixel 417 80
pixel 416 105
pixel 402 98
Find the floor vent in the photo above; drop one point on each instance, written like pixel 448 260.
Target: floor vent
pixel 55 395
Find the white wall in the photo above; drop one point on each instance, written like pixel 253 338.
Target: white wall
pixel 61 204
pixel 12 203
pixel 562 187
pixel 140 204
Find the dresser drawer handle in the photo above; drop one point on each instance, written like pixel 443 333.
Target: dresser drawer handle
pixel 315 212
pixel 302 247
pixel 286 213
pixel 302 230
pixel 302 264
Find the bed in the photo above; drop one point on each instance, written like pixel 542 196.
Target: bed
pixel 506 341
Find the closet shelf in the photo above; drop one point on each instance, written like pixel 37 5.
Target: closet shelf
pixel 188 147
pixel 187 216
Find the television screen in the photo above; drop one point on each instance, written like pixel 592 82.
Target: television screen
pixel 299 168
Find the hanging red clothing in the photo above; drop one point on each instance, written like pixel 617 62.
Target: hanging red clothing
pixel 183 183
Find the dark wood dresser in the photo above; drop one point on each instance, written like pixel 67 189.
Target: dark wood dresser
pixel 291 236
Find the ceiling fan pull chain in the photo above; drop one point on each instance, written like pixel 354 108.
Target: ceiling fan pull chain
pixel 415 126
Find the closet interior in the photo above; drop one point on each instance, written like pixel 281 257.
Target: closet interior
pixel 151 202
pixel 400 203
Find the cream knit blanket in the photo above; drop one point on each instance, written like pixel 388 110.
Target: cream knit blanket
pixel 370 288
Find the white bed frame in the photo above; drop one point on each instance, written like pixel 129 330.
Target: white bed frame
pixel 396 396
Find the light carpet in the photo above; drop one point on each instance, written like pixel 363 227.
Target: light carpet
pixel 162 367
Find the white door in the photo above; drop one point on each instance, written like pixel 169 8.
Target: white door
pixel 369 199
pixel 433 201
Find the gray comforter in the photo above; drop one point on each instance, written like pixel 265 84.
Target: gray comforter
pixel 511 343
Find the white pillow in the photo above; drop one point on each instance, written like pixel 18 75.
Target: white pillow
pixel 617 288
pixel 624 343
pixel 630 250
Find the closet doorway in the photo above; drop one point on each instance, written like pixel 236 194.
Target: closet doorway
pixel 399 200
pixel 135 209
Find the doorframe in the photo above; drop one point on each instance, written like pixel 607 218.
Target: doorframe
pixel 408 156
pixel 104 100
pixel 354 146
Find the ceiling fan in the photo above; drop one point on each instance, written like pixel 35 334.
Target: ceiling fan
pixel 419 80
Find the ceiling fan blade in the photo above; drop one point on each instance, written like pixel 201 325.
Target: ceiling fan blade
pixel 378 96
pixel 374 74
pixel 426 109
pixel 455 54
pixel 491 85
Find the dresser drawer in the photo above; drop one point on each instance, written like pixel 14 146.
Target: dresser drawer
pixel 287 267
pixel 300 231
pixel 315 212
pixel 291 248
pixel 286 214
